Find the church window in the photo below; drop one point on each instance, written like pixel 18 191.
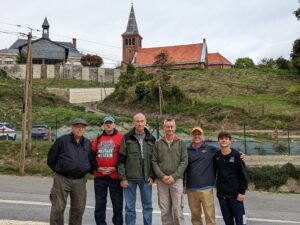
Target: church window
pixel 133 41
pixel 129 41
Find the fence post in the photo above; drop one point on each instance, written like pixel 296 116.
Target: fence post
pixel 55 126
pixel 157 128
pixel 245 140
pixel 288 139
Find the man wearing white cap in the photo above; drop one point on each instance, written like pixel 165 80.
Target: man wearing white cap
pixel 69 159
pixel 104 161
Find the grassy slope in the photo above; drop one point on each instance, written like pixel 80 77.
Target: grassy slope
pixel 45 106
pixel 227 98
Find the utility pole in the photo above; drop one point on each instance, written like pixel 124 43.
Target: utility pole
pixel 29 114
pixel 25 106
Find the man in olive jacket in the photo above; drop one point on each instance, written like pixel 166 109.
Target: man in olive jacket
pixel 169 162
pixel 134 167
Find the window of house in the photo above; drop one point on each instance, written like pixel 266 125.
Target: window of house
pixel 8 61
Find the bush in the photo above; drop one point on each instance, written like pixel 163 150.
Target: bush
pixel 267 177
pixel 243 63
pixel 281 149
pixel 3 74
pixel 140 90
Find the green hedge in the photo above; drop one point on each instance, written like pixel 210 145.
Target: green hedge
pixel 267 177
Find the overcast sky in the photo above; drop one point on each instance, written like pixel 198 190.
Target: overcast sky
pixel 235 28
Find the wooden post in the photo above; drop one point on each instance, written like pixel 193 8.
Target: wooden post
pixel 25 110
pixel 29 114
pixel 49 134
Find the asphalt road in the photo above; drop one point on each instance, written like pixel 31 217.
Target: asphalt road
pixel 25 200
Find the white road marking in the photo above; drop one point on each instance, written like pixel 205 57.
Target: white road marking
pixel 14 222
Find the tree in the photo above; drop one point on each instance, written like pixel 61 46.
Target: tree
pixel 297 13
pixel 162 60
pixel 283 63
pixel 91 60
pixel 267 63
pixel 295 55
pixel 21 58
pixel 244 62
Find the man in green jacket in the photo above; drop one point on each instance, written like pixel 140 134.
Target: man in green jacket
pixel 169 161
pixel 134 167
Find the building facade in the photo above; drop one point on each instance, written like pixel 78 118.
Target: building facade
pixel 44 50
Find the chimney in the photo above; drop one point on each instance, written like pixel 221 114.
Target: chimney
pixel 74 42
pixel 204 41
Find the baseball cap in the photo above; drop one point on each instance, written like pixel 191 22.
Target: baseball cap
pixel 108 119
pixel 79 121
pixel 197 129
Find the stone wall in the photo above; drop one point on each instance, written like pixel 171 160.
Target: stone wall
pixel 81 95
pixel 65 72
pixel 272 160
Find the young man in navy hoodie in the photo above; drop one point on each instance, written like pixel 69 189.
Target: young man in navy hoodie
pixel 231 181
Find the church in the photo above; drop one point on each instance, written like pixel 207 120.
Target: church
pixel 180 56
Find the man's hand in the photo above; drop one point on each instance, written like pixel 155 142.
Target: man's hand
pixel 124 184
pixel 106 170
pixel 240 197
pixel 168 180
pixel 150 181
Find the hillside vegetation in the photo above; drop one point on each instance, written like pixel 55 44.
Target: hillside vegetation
pixel 46 107
pixel 217 98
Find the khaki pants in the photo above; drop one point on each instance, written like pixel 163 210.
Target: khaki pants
pixel 204 198
pixel 62 187
pixel 170 200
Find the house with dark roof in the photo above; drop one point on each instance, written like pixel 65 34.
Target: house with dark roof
pixel 44 50
pixel 179 56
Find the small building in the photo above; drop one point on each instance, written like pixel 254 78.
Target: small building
pixel 44 50
pixel 179 56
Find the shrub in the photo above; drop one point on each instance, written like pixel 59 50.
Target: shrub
pixel 3 74
pixel 140 90
pixel 281 148
pixel 267 177
pixel 244 62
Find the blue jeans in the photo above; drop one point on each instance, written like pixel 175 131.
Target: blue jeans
pixel 130 199
pixel 101 184
pixel 232 210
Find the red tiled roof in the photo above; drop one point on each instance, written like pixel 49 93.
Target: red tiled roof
pixel 217 58
pixel 177 54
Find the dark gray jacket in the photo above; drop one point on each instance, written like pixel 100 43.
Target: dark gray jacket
pixel 200 170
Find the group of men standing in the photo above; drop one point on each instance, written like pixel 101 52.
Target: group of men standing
pixel 121 163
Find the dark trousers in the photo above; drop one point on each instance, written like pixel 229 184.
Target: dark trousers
pixel 62 187
pixel 232 210
pixel 101 185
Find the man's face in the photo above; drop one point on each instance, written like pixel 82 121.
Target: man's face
pixel 197 137
pixel 78 130
pixel 170 128
pixel 109 127
pixel 224 142
pixel 139 123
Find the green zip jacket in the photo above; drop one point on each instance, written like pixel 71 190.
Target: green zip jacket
pixel 130 164
pixel 171 160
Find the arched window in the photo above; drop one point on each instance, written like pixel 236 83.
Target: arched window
pixel 129 43
pixel 126 41
pixel 133 41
